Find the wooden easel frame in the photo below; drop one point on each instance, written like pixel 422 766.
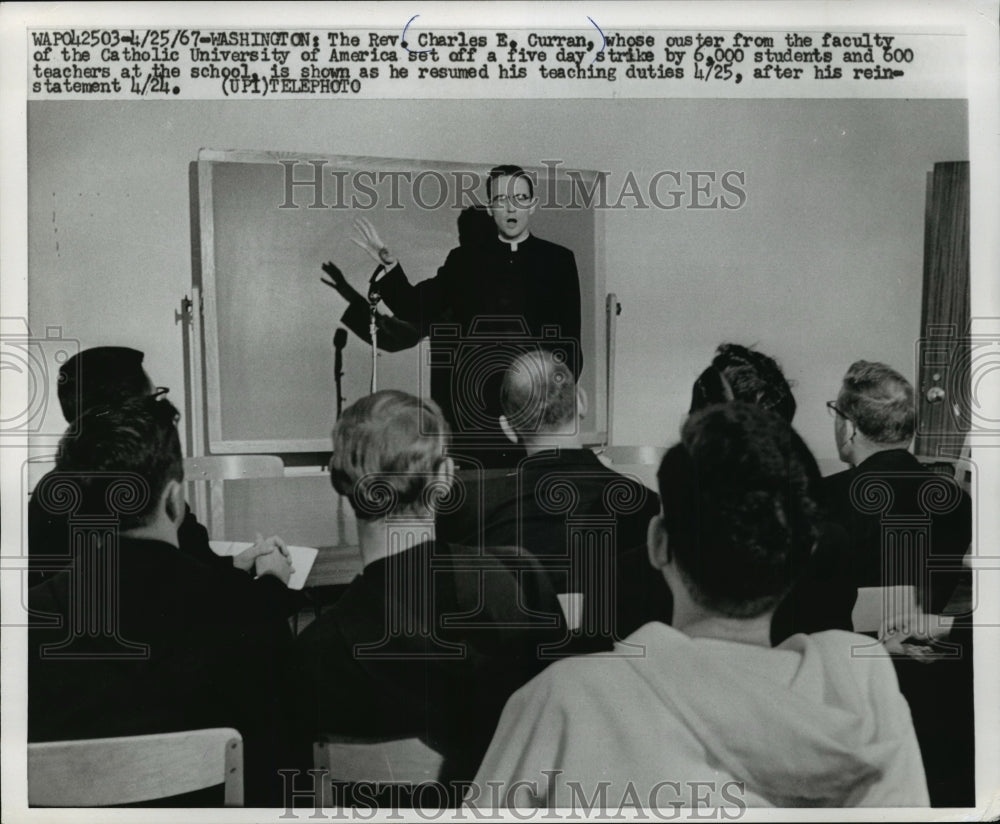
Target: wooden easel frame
pixel 205 436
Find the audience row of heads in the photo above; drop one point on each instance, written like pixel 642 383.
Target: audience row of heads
pixel 737 513
pixel 539 395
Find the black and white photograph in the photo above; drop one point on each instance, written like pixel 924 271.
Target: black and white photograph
pixel 500 411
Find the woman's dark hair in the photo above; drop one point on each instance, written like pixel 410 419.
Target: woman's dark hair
pixel 739 373
pixel 736 507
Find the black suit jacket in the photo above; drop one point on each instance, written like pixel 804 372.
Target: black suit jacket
pixel 49 528
pixel 886 504
pixel 483 300
pixel 395 657
pixel 586 523
pixel 535 505
pixel 212 658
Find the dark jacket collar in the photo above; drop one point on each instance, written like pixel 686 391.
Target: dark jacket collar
pixel 888 460
pixel 564 457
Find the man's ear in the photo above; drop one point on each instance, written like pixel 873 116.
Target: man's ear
pixel 582 404
pixel 657 543
pixel 174 503
pixel 852 430
pixel 446 472
pixel 444 479
pixel 508 430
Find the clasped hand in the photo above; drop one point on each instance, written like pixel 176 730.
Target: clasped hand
pixel 267 556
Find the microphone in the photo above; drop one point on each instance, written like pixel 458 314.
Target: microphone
pixel 339 342
pixel 374 296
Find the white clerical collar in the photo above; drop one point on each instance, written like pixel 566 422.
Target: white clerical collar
pixel 512 242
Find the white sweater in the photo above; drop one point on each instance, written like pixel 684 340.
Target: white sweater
pixel 806 724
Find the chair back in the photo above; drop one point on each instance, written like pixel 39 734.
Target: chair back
pixel 112 771
pixel 639 462
pixel 634 455
pixel 232 467
pixel 215 470
pixel 959 469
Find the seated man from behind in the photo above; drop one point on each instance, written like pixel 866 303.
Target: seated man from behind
pixel 431 639
pixel 802 724
pixel 910 527
pixel 112 376
pixel 874 417
pixel 561 503
pixel 138 637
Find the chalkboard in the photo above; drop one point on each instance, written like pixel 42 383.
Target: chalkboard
pixel 268 221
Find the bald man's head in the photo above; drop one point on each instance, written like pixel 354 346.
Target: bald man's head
pixel 539 394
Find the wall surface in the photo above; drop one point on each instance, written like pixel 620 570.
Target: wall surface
pixel 820 266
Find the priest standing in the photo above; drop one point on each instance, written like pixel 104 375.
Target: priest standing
pixel 495 294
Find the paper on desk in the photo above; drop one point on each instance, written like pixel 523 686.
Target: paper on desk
pixel 876 603
pixel 302 558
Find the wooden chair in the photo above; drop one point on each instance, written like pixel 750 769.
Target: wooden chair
pixel 386 760
pixel 112 771
pixel 232 467
pixel 215 470
pixel 959 469
pixel 640 462
pixel 633 455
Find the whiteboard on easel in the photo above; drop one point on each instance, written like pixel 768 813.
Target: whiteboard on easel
pixel 267 319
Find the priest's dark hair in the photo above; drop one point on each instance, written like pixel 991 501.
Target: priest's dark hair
pixel 511 171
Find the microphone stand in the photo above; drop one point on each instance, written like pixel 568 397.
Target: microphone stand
pixel 373 301
pixel 338 372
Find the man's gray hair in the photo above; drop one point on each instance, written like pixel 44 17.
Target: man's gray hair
pixel 880 402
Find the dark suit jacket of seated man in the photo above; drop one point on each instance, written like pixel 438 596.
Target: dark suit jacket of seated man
pixel 907 525
pixel 562 503
pixel 535 505
pixel 428 643
pixel 111 376
pixel 50 533
pixel 173 649
pixel 431 639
